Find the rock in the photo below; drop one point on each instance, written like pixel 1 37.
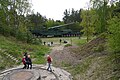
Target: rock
pixel 38 72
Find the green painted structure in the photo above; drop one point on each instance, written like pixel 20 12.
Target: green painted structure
pixel 55 31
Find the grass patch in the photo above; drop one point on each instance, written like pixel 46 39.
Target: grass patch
pixel 94 67
pixel 16 48
pixel 67 45
pixel 65 64
pixel 80 41
pixel 70 40
pixel 82 67
pixel 5 62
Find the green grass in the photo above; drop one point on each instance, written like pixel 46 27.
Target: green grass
pixel 16 48
pixel 37 52
pixel 79 41
pixel 5 62
pixel 82 67
pixel 70 40
pixel 103 67
pixel 67 45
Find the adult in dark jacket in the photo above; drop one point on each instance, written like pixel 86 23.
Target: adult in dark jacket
pixel 29 62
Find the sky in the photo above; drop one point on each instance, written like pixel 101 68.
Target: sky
pixel 54 9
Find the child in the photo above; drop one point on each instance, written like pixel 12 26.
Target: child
pixel 24 62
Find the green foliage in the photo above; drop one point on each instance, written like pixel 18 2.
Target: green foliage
pixel 25 37
pixel 114 42
pixel 82 67
pixel 16 48
pixel 12 19
pixel 36 41
pixel 36 21
pixel 114 36
pixel 87 23
pixel 67 45
pixel 29 37
pixel 5 62
pixel 50 23
pixel 21 36
pixel 76 27
pixel 2 67
pixel 72 16
pixel 101 8
pixel 5 31
pixel 80 42
pixel 39 60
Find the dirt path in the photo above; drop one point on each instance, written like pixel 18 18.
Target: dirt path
pixel 62 55
pixel 58 47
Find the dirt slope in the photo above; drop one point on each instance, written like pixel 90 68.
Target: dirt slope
pixel 88 62
pixel 73 54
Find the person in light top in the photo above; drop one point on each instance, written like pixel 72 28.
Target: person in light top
pixel 49 60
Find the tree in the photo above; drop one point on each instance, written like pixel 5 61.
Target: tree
pixel 12 14
pixel 40 20
pixel 114 36
pixel 114 43
pixel 36 21
pixel 50 23
pixel 66 17
pixel 101 9
pixel 72 16
pixel 88 23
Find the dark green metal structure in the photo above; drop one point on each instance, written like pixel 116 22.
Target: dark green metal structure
pixel 55 31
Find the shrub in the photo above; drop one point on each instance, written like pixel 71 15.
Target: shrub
pixel 68 45
pixel 36 41
pixel 21 36
pixel 2 67
pixel 114 41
